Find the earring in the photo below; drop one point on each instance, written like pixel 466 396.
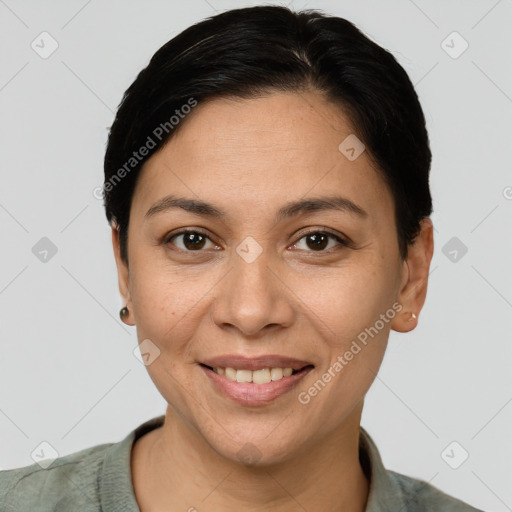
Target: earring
pixel 123 313
pixel 413 317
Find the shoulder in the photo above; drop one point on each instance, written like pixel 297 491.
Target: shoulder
pixel 390 490
pixel 70 482
pixel 420 496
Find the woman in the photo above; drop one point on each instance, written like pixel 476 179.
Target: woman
pixel 267 185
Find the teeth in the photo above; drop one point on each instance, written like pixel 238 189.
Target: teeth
pixel 263 376
pixel 276 373
pixel 243 376
pixel 230 373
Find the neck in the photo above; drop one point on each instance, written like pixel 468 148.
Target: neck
pixel 174 468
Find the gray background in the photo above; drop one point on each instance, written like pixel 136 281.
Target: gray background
pixel 68 375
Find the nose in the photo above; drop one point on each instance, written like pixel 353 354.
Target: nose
pixel 253 298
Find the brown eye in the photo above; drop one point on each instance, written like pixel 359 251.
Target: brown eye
pixel 190 240
pixel 318 241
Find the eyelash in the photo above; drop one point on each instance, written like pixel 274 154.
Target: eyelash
pixel 341 241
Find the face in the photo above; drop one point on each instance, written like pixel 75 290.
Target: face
pixel 249 281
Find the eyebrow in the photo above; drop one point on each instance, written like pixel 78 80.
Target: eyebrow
pixel 292 209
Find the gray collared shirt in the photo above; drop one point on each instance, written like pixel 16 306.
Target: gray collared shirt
pixel 98 479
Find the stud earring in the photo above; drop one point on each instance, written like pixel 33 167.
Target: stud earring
pixel 123 313
pixel 413 317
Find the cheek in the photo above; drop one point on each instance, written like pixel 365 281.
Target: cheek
pixel 155 301
pixel 348 300
pixel 168 305
pixel 167 311
pixel 352 318
pixel 353 329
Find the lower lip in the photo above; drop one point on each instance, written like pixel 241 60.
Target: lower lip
pixel 248 393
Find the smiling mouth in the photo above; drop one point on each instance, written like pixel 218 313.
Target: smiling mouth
pixel 257 377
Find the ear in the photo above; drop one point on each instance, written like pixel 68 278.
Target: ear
pixel 413 288
pixel 123 275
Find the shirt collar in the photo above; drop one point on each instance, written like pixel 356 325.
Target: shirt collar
pixel 115 485
pixel 384 491
pixel 117 493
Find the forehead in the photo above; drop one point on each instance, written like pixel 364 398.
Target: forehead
pixel 262 152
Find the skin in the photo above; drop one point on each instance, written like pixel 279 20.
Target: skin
pixel 250 157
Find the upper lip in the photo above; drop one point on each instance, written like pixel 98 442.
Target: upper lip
pixel 239 362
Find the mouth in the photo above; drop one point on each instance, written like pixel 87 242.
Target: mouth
pixel 254 382
pixel 259 377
